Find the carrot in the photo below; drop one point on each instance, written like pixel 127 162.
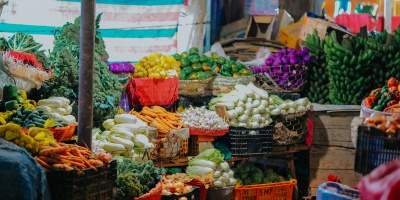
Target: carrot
pixel 70 158
pixel 77 164
pixel 169 124
pixel 83 158
pixel 63 166
pixel 159 108
pixel 142 118
pixel 46 152
pixel 42 163
pixel 153 110
pixel 50 160
pixel 148 113
pixel 162 123
pixel 95 162
pixel 149 118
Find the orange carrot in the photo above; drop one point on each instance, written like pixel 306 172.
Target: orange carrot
pixel 72 163
pixel 95 162
pixel 76 152
pixel 50 160
pixel 148 113
pixel 42 163
pixel 162 123
pixel 63 166
pixel 46 152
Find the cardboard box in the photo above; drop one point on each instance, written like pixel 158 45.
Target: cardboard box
pixel 289 35
pixel 262 7
pixel 235 29
pixel 323 27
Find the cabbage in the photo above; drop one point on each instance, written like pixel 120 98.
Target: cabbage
pixel 140 140
pixel 213 155
pixel 201 162
pixel 125 119
pixel 108 124
pixel 198 170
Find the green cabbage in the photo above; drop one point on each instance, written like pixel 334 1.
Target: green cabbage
pixel 213 155
pixel 198 170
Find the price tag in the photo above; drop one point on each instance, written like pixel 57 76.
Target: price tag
pixel 221 111
pixel 265 193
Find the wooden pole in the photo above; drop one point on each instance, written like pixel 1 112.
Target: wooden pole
pixel 85 99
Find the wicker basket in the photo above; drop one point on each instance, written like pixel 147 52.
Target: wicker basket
pixel 193 88
pixel 220 82
pixel 153 194
pixel 265 81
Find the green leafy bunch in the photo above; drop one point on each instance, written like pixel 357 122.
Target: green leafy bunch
pixel 65 62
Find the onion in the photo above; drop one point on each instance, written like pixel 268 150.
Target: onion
pixel 277 71
pixel 286 68
pixel 291 50
pixel 265 69
pixel 292 55
pixel 285 60
pixel 377 118
pixel 294 60
pixel 306 59
pixel 283 51
pixel 305 51
pixel 269 61
pixel 256 69
pixel 299 53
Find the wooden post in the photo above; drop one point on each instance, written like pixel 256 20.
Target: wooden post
pixel 85 99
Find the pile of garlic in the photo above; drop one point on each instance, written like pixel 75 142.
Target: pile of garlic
pixel 203 119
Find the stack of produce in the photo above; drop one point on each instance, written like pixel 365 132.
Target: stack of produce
pixel 160 119
pixel 286 68
pixel 385 98
pixel 247 106
pixel 212 161
pixel 67 157
pixel 317 87
pixel 176 183
pixel 201 118
pixel 247 174
pixel 388 124
pixel 135 179
pixel 386 59
pixel 58 107
pixel 15 108
pixel 349 66
pixel 198 67
pixel 123 135
pixel 33 141
pixel 157 66
pixel 284 107
pixel 65 64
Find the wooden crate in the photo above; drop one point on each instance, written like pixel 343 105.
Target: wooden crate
pixel 332 150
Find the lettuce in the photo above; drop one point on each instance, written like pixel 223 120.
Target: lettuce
pixel 213 155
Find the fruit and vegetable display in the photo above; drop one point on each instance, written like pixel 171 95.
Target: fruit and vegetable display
pixel 247 106
pixel 287 67
pixel 157 66
pixel 201 118
pixel 317 86
pixel 64 59
pixel 159 118
pixel 32 141
pixel 248 174
pixel 68 157
pixel 388 124
pixel 197 66
pixel 135 179
pixel 124 134
pixel 175 183
pixel 384 99
pixel 212 161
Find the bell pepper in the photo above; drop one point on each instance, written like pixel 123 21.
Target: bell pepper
pixel 213 55
pixel 215 69
pixel 228 66
pixel 226 73
pixel 221 60
pixel 208 74
pixel 187 70
pixel 194 58
pixel 192 76
pixel 203 58
pixel 245 71
pixel 182 76
pixel 393 89
pixel 10 92
pixel 236 74
pixel 184 55
pixel 201 75
pixel 177 57
pixel 12 105
pixel 385 89
pixel 239 65
pixel 193 50
pixel 206 68
pixel 392 82
pixel 197 67
pixel 185 62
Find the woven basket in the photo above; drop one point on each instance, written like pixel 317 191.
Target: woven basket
pixel 193 88
pixel 153 194
pixel 266 81
pixel 220 82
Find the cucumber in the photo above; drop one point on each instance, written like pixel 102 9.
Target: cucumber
pixel 27 112
pixel 39 120
pixel 40 111
pixel 32 115
pixel 29 125
pixel 38 124
pixel 64 123
pixel 45 116
pixel 17 120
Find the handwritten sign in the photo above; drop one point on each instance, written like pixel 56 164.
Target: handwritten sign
pixel 265 193
pixel 221 111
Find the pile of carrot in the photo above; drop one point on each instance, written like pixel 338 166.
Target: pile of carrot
pixel 160 118
pixel 66 157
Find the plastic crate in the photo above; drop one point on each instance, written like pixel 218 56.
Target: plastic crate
pixel 294 129
pixel 337 191
pixel 184 150
pixel 374 148
pixel 86 184
pixel 287 95
pixel 193 195
pixel 243 141
pixel 272 191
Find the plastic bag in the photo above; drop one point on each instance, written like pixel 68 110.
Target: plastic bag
pixel 382 183
pixel 217 48
pixel 261 55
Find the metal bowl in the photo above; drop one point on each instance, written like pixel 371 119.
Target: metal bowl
pixel 220 193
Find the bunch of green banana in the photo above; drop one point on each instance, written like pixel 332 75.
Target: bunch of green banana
pixel 387 57
pixel 348 69
pixel 317 87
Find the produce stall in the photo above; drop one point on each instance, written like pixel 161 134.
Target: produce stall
pixel 200 125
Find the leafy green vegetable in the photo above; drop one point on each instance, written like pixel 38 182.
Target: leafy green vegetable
pixel 65 61
pixel 135 179
pixel 213 155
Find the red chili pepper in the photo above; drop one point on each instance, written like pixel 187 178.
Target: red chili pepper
pixel 392 82
pixel 368 102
